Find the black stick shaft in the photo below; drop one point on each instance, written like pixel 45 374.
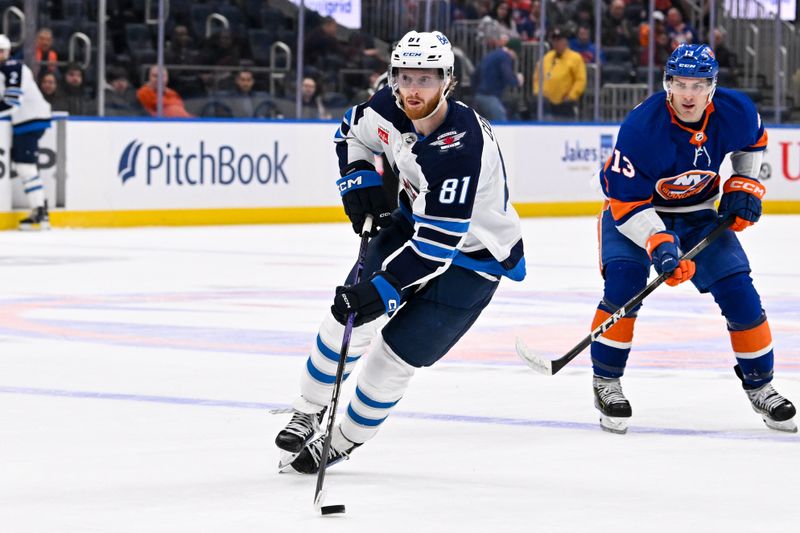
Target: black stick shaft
pixel 620 313
pixel 348 331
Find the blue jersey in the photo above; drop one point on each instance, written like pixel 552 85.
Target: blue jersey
pixel 659 163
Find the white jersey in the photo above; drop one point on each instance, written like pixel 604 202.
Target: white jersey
pixel 22 98
pixel 453 189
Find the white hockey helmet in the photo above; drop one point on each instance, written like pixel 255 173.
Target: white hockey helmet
pixel 423 50
pixel 5 44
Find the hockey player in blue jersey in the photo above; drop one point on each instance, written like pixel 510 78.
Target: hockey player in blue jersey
pixel 30 116
pixel 661 183
pixel 436 261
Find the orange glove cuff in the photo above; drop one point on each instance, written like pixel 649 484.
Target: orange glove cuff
pixel 744 184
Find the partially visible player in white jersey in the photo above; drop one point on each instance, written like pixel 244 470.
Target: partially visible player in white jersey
pixel 436 261
pixel 30 116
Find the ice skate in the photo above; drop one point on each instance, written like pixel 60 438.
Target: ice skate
pixel 775 410
pixel 615 411
pixel 308 460
pixel 38 220
pixel 300 429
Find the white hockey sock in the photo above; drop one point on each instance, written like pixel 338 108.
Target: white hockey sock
pixel 32 183
pixel 381 383
pixel 319 375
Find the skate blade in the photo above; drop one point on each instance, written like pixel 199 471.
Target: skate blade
pixel 614 424
pixel 35 227
pixel 285 462
pixel 787 425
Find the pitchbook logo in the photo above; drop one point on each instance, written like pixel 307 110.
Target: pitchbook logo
pixel 174 165
pixel 127 163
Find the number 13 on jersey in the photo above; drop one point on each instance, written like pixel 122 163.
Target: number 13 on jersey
pixel 627 169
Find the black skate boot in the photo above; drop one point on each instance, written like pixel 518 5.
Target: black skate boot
pixel 39 219
pixel 308 460
pixel 776 411
pixel 300 429
pixel 612 404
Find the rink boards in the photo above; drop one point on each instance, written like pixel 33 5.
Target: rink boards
pixel 101 172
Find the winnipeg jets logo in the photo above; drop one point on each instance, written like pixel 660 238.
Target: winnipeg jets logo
pixel 451 139
pixel 701 150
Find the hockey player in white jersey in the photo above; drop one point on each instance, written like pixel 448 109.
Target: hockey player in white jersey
pixel 436 261
pixel 30 116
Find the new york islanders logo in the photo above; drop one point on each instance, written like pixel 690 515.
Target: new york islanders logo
pixel 686 185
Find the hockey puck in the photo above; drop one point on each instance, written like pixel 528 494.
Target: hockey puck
pixel 331 509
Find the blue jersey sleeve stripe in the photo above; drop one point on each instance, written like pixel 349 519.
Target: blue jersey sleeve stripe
pixel 438 252
pixel 447 225
pixel 369 402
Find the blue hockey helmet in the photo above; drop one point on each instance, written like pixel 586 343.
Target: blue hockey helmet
pixel 692 61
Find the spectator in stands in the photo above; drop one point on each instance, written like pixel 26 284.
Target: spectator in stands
pixel 45 56
pixel 172 101
pixel 463 10
pixel 121 100
pixel 243 100
pixel 528 25
pixel 496 28
pixel 221 50
pixel 494 75
pixel 78 100
pixel 181 51
pixel 322 47
pixel 564 79
pixel 679 31
pixel 560 12
pixel 376 80
pixel 663 46
pixel 616 28
pixel 725 57
pixel 583 44
pixel 312 100
pixel 48 84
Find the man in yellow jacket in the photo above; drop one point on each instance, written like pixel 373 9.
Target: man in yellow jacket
pixel 564 79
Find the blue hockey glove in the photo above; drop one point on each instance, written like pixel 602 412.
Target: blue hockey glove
pixel 369 299
pixel 741 196
pixel 362 194
pixel 662 247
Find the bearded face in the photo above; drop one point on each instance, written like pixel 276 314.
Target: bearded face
pixel 420 91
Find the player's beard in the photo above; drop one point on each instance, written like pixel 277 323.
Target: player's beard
pixel 421 112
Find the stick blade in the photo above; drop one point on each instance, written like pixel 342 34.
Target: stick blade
pixel 533 360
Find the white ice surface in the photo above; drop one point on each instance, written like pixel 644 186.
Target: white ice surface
pixel 138 368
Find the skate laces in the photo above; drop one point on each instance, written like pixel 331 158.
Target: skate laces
pixel 766 397
pixel 302 424
pixel 610 391
pixel 315 449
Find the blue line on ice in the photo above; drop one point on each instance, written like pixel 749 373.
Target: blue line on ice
pixel 471 419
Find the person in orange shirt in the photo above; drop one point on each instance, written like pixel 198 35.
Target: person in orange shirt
pixel 148 96
pixel 45 55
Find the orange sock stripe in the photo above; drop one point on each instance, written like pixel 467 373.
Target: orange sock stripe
pixel 751 340
pixel 622 331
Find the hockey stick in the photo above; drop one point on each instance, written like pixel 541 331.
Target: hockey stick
pixel 551 366
pixel 319 494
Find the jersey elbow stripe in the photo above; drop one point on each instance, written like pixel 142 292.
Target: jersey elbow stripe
pixel 620 209
pixel 428 234
pixel 430 251
pixel 449 224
